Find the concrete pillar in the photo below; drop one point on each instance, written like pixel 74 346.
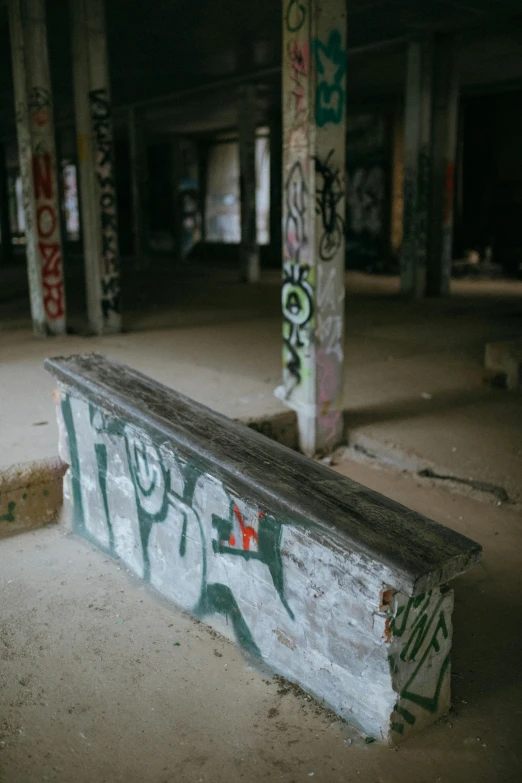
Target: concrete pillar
pixel 445 132
pixel 37 154
pixel 202 180
pixel 430 141
pixel 177 201
pixel 250 264
pixel 96 165
pixel 417 168
pixel 276 179
pixel 138 183
pixel 314 163
pixel 6 247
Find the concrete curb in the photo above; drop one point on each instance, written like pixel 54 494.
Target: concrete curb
pixel 31 494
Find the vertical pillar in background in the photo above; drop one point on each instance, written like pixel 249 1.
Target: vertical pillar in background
pixel 138 183
pixel 250 264
pixel 202 184
pixel 6 246
pixel 177 198
pixel 314 182
pixel 417 168
pixel 445 132
pixel 276 178
pixel 96 165
pixel 37 155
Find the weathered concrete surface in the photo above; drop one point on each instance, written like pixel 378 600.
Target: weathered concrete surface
pixel 505 358
pixel 95 687
pixel 31 494
pixel 219 343
pixel 330 584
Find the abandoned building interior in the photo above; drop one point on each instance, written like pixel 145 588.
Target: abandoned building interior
pixel 260 391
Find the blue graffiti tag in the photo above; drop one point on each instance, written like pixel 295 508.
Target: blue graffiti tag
pixel 331 65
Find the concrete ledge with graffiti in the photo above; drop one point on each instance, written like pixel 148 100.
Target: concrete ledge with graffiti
pixel 333 586
pixel 31 495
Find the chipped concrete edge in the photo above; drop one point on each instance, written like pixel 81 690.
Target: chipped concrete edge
pixel 31 494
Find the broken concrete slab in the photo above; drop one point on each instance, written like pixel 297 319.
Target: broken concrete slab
pixel 31 494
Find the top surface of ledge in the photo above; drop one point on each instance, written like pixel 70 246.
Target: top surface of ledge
pixel 419 553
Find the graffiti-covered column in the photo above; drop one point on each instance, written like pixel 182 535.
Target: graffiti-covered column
pixel 314 123
pixel 417 169
pixel 250 268
pixel 96 165
pixel 37 155
pixel 445 131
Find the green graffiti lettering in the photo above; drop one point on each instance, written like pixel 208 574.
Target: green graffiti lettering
pixel 159 485
pixel 295 16
pixel 9 517
pixel 429 703
pixel 330 59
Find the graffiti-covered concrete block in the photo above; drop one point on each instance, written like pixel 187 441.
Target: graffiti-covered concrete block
pixel 335 587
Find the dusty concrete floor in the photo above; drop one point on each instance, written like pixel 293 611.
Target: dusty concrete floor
pixel 413 374
pixel 100 680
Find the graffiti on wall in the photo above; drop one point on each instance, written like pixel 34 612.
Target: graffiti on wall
pixel 101 119
pixel 297 293
pixel 329 194
pixel 298 308
pixel 420 666
pixel 295 15
pixel 313 223
pixel 188 528
pixel 213 552
pixel 48 233
pixel 46 204
pixel 330 63
pixel 296 203
pixel 367 200
pixel 40 202
pixel 365 196
pixel 299 56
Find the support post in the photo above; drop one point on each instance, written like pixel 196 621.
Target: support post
pixel 417 168
pixel 37 154
pixel 6 249
pixel 202 180
pixel 96 165
pixel 249 249
pixel 138 182
pixel 431 120
pixel 445 132
pixel 276 179
pixel 314 163
pixel 177 201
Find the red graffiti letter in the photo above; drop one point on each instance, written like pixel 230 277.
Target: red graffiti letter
pixel 42 175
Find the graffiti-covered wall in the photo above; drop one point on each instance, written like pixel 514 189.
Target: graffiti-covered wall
pixel 313 611
pixel 368 163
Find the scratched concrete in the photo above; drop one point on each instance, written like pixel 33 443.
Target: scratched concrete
pixel 413 375
pixel 101 680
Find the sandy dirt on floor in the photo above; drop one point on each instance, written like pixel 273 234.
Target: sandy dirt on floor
pixel 101 680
